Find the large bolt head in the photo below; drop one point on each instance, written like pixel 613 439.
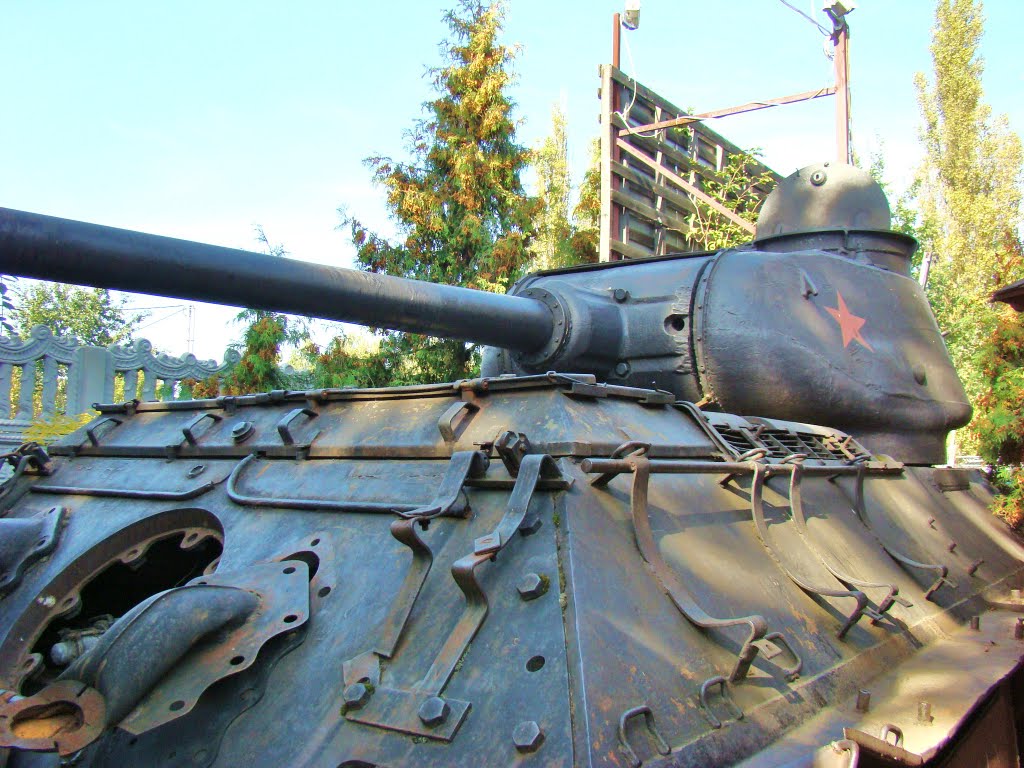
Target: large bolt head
pixel 434 711
pixel 532 586
pixel 527 736
pixel 355 696
pixel 241 431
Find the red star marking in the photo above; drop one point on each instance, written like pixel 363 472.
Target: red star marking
pixel 849 323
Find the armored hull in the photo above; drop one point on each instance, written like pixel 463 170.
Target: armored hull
pixel 520 570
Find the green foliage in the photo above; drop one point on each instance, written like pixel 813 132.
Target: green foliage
pixel 586 237
pixel 89 314
pixel 562 241
pixel 738 187
pixel 259 370
pixel 346 364
pixel 459 205
pixel 47 429
pixel 7 310
pixel 1000 419
pixel 969 193
pixel 551 247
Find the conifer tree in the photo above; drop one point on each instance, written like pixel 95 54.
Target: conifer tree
pixel 969 192
pixel 459 205
pixel 259 369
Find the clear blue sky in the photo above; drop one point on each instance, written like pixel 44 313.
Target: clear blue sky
pixel 201 119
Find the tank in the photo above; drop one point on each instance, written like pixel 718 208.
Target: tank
pixel 691 514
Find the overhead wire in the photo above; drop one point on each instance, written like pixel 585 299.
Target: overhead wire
pixel 811 19
pixel 161 319
pixel 624 114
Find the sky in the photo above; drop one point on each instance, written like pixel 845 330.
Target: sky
pixel 202 120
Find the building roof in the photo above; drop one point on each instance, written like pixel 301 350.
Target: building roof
pixel 1012 294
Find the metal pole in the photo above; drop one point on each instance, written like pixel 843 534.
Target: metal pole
pixel 610 133
pixel 842 63
pixel 616 38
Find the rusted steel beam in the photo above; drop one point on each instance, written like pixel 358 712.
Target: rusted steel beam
pixel 752 106
pixel 680 467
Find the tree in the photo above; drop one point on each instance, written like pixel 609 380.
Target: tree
pixel 89 314
pixel 259 370
pixel 347 361
pixel 586 237
pixel 999 418
pixel 459 204
pixel 738 188
pixel 561 240
pixel 551 247
pixel 969 192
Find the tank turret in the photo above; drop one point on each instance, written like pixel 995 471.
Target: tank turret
pixel 817 320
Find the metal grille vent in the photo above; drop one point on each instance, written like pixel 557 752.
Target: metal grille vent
pixel 737 439
pixel 781 442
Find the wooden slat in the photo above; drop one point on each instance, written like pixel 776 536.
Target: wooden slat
pixel 651 183
pixel 659 201
pixel 651 213
pixel 680 181
pixel 674 156
pixel 675 197
pixel 630 251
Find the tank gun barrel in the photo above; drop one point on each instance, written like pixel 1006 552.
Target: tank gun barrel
pixel 49 248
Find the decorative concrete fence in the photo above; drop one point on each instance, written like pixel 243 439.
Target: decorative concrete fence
pixel 86 374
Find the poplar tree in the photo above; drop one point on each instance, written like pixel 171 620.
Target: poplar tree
pixel 551 247
pixel 564 240
pixel 969 192
pixel 459 205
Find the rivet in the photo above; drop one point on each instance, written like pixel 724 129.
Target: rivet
pixel 620 295
pixel 622 369
pixel 863 700
pixel 818 178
